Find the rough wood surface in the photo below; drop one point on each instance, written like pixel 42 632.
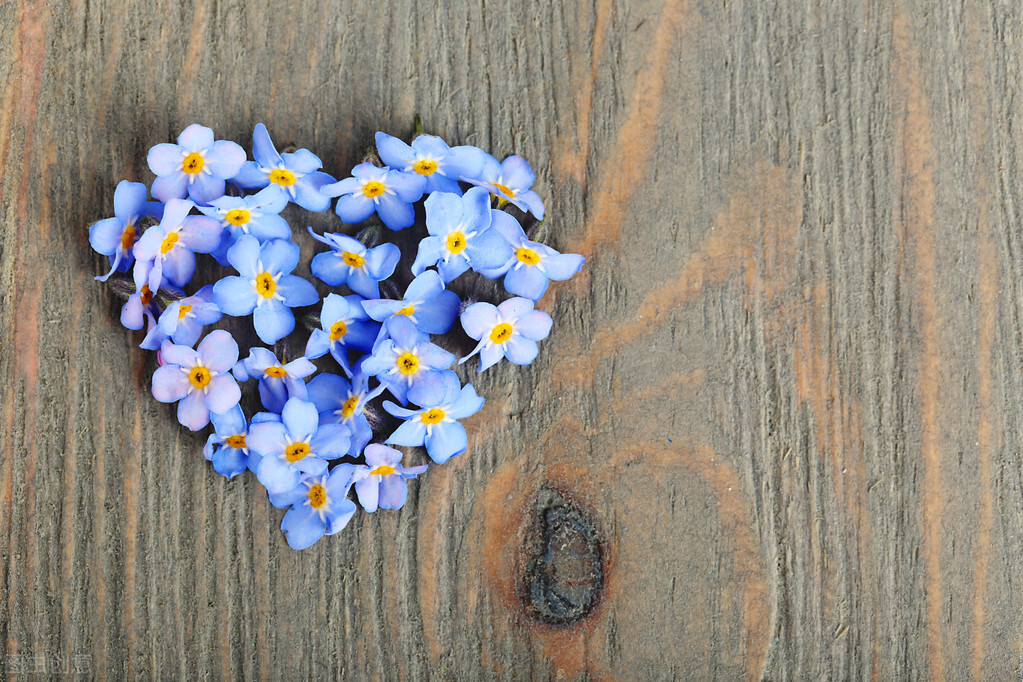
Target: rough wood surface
pixel 775 433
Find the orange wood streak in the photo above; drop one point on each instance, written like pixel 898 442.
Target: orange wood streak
pixel 915 224
pixel 193 58
pixel 636 138
pixel 753 236
pixel 988 278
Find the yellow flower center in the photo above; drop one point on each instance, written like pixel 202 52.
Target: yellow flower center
pixel 237 442
pixel 147 295
pixel 527 256
pixel 382 471
pixel 425 166
pixel 199 376
pixel 128 237
pixel 407 310
pixel 434 416
pixel 353 259
pixel 184 310
pixel 373 189
pixel 348 409
pixel 508 192
pixel 456 242
pixel 501 333
pixel 277 372
pixel 296 452
pixel 337 330
pixel 265 284
pixel 317 496
pixel 168 243
pixel 193 163
pixel 282 177
pixel 408 364
pixel 237 217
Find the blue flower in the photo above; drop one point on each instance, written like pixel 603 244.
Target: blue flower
pixel 295 445
pixel 277 382
pixel 142 305
pixel 170 247
pixel 510 181
pixel 297 174
pixel 265 288
pixel 196 166
pixel 319 506
pixel 256 214
pixel 509 330
pixel 198 378
pixel 339 402
pixel 344 324
pixel 350 262
pixel 435 424
pixel 227 448
pixel 390 193
pixel 460 235
pixel 182 321
pixel 431 308
pixel 408 364
pixel 532 264
pixel 431 157
pixel 115 237
pixel 380 483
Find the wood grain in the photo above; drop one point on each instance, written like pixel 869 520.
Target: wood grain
pixel 774 434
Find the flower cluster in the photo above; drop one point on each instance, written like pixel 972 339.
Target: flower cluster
pixel 381 375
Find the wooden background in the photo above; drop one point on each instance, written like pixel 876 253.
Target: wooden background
pixel 775 433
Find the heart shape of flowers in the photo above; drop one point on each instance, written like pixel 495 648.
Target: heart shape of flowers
pixel 322 433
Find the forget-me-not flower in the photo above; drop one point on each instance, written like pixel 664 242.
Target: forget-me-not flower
pixel 196 166
pixel 266 287
pixel 344 325
pixel 460 237
pixel 408 364
pixel 350 262
pixel 380 483
pixel 296 174
pixel 170 247
pixel 509 330
pixel 115 237
pixel 339 402
pixel 435 423
pixel 319 506
pixel 532 265
pixel 182 320
pixel 388 192
pixel 431 157
pixel 430 307
pixel 198 378
pixel 278 382
pixel 256 214
pixel 142 305
pixel 226 447
pixel 510 181
pixel 295 445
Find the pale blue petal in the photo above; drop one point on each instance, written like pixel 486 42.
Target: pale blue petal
pixel 446 440
pixel 395 213
pixel 302 527
pixel 527 281
pixel 218 350
pixel 300 418
pixel 192 411
pixel 196 138
pixel 170 384
pixel 235 295
pixel 273 321
pixel 296 291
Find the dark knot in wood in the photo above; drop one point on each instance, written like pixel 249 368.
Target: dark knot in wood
pixel 563 567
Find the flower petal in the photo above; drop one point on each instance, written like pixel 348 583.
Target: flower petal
pixel 170 384
pixel 219 350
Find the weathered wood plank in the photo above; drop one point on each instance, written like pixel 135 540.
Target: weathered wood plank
pixel 776 430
